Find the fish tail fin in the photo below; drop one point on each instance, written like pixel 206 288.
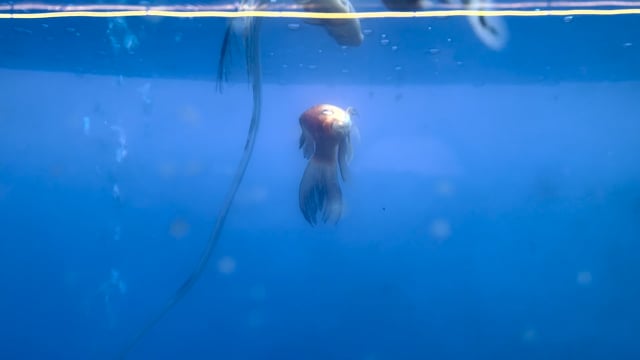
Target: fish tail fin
pixel 320 192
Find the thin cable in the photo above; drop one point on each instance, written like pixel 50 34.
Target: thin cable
pixel 252 49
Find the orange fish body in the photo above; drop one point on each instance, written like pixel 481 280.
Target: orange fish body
pixel 326 143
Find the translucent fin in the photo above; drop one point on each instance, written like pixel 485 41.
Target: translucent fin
pixel 307 145
pixel 345 154
pixel 354 133
pixel 320 193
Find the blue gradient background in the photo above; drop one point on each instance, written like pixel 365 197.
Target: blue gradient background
pixel 493 210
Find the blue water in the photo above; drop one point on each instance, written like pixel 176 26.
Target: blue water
pixel 484 219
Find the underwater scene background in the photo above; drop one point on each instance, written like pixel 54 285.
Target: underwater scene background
pixel 492 212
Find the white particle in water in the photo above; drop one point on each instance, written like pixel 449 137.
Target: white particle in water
pixel 584 278
pixel 444 188
pixel 440 229
pixel 568 19
pixel 226 265
pixel 86 125
pixel 384 42
pixel 293 26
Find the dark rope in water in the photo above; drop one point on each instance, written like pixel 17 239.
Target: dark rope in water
pixel 252 56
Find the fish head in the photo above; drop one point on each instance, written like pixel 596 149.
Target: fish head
pixel 341 124
pixel 326 121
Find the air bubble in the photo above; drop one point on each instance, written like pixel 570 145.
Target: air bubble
pixel 293 26
pixel 115 192
pixel 86 121
pixel 584 278
pixel 226 265
pixel 440 229
pixel 444 188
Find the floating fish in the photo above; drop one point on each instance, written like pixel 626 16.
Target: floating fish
pixel 326 142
